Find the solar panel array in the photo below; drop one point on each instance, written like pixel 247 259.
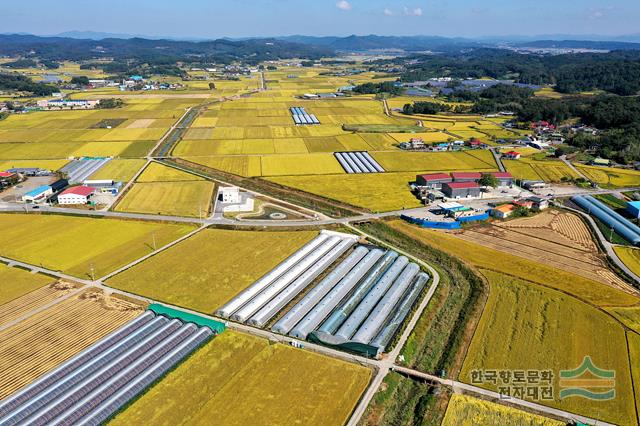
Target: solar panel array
pixel 300 116
pixel 93 385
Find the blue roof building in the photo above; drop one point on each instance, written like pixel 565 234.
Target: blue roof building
pixel 633 207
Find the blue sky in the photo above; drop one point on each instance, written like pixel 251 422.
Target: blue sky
pixel 239 18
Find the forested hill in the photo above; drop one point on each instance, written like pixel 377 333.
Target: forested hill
pixel 616 72
pixel 61 48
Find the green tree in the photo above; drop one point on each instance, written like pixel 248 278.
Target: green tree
pixel 488 179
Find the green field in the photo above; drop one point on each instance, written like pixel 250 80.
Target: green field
pixel 76 245
pixel 15 282
pixel 208 269
pixel 238 379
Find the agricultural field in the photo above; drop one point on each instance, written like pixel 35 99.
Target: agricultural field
pixel 362 190
pixel 52 165
pixel 529 327
pixel 188 199
pixel 44 340
pixel 611 177
pixel 244 380
pixel 590 291
pixel 23 303
pixel 195 273
pixel 465 410
pixel 560 240
pixel 119 170
pixel 425 162
pixel 630 257
pixel 17 282
pixel 546 170
pixel 81 246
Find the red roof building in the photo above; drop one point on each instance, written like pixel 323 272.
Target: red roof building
pixel 6 174
pixel 433 180
pixel 82 190
pixel 462 185
pixel 502 175
pixel 466 176
pixel 76 195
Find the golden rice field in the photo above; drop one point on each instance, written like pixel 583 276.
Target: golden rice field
pixel 17 282
pixel 178 198
pixel 210 268
pixel 52 165
pixel 528 269
pixel 76 245
pixel 310 164
pixel 156 172
pixel 15 308
pixel 119 170
pixel 423 162
pixel 630 257
pixel 44 340
pixel 547 170
pixel 427 137
pixel 628 315
pixel 239 379
pixel 362 190
pixel 241 165
pixel 464 410
pixel 634 354
pixel 529 327
pixel 611 177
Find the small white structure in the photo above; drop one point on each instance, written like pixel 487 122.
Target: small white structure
pixel 230 195
pixel 76 195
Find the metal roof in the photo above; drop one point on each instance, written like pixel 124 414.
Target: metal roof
pixel 37 191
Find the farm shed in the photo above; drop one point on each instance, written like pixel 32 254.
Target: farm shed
pixel 38 194
pixel 76 195
pixel 433 180
pixel 504 178
pixel 633 207
pixel 461 189
pixel 503 211
pixel 59 185
pixel 198 320
pixel 466 176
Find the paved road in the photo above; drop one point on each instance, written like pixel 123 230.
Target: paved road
pixel 498 158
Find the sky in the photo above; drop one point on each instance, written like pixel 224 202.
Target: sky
pixel 251 18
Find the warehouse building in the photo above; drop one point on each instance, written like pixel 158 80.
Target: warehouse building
pixel 433 180
pixel 633 207
pixel 59 185
pixel 466 176
pixel 461 189
pixel 76 195
pixel 104 186
pixel 504 178
pixel 503 211
pixel 38 194
pixel 8 179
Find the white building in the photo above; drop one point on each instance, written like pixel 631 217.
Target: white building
pixel 76 195
pixel 230 194
pixel 38 194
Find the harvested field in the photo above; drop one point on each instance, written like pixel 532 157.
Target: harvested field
pixel 527 327
pixel 21 305
pixel 141 123
pixel 77 245
pixel 465 410
pixel 16 282
pixel 529 269
pixel 188 275
pixel 560 240
pixel 239 379
pixel 43 341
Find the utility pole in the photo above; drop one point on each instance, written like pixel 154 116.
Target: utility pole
pixel 93 272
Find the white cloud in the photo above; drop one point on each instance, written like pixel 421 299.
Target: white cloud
pixel 343 5
pixel 413 12
pixel 388 12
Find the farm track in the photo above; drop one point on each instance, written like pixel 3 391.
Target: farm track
pixel 41 342
pixel 16 308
